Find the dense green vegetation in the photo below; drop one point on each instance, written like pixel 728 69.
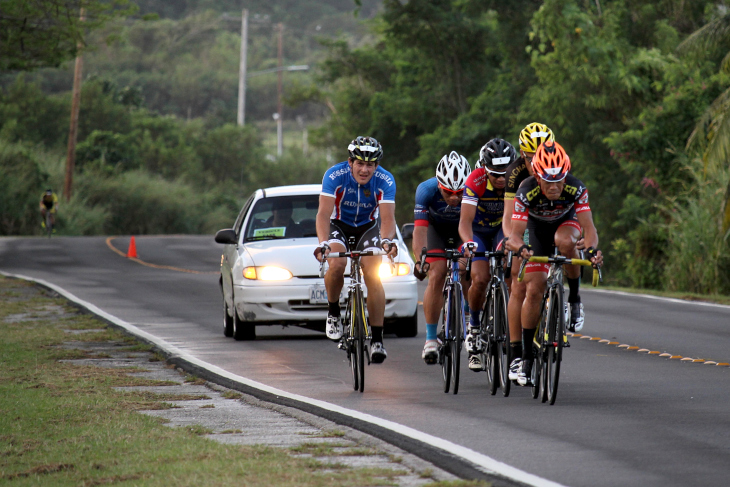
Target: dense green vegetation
pixel 624 84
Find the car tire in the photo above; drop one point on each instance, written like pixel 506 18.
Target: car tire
pixel 227 320
pixel 243 330
pixel 406 327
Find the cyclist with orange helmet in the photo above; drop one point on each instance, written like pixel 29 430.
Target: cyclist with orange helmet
pixel 552 205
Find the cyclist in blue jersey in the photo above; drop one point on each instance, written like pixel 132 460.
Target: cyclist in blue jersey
pixel 480 228
pixel 437 211
pixel 354 193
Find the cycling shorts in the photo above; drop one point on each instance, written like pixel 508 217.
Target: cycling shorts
pixel 541 237
pixel 488 241
pixel 437 240
pixel 367 237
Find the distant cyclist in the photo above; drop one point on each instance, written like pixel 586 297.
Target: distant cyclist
pixel 480 227
pixel 552 206
pixel 49 204
pixel 354 193
pixel 437 211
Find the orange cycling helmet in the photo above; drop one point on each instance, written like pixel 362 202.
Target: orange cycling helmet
pixel 550 163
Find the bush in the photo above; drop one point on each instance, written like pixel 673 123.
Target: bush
pixel 21 184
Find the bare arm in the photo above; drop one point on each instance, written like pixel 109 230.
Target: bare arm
pixel 468 212
pixel 585 218
pixel 420 240
pixel 509 207
pixel 326 205
pixel 387 220
pixel 515 239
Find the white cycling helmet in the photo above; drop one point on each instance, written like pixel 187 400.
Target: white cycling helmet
pixel 452 171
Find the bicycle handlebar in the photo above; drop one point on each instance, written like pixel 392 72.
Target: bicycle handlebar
pixel 351 254
pixel 597 277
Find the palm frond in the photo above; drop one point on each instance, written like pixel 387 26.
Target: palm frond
pixel 704 132
pixel 709 38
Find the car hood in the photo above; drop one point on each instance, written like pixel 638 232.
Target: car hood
pixel 296 255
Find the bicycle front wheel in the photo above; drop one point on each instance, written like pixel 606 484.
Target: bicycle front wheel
pixel 350 341
pixel 457 325
pixel 49 223
pixel 359 341
pixel 554 342
pixel 501 336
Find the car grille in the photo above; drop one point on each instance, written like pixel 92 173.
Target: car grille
pixel 305 305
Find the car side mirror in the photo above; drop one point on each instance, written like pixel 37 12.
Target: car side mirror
pixel 407 231
pixel 227 236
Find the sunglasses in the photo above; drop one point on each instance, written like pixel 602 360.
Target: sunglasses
pixel 451 192
pixel 496 175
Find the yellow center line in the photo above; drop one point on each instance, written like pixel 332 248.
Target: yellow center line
pixel 154 266
pixel 648 351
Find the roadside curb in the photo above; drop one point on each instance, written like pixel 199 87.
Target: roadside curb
pixel 452 458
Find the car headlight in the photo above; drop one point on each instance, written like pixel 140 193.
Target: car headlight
pixel 401 269
pixel 267 273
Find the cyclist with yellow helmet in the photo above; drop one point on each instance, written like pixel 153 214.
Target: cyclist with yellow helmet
pixel 552 206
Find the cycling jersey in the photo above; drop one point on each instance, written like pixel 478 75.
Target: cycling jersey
pixel 489 201
pixel 516 173
pixel 49 200
pixel 357 204
pixel 531 203
pixel 431 208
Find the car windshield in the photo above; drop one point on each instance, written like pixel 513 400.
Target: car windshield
pixel 283 217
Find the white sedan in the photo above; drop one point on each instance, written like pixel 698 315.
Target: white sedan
pixel 269 275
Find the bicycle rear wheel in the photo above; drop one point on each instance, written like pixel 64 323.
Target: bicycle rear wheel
pixel 445 348
pixel 502 337
pixel 457 325
pixel 555 333
pixel 490 353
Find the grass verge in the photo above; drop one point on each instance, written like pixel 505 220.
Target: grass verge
pixel 64 424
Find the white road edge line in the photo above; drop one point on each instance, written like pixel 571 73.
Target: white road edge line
pixel 659 298
pixel 484 462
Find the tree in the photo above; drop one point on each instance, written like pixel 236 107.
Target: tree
pixel 45 33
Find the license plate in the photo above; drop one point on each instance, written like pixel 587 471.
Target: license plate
pixel 318 294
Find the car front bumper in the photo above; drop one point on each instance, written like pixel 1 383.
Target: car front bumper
pixel 277 302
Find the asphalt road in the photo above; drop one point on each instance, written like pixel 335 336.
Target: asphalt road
pixel 621 417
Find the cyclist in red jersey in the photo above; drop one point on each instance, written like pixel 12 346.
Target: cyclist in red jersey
pixel 552 206
pixel 480 227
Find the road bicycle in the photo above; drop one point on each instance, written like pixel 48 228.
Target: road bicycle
pixel 49 223
pixel 357 328
pixel 452 326
pixel 550 338
pixel 494 327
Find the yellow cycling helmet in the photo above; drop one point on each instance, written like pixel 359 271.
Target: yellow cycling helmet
pixel 533 135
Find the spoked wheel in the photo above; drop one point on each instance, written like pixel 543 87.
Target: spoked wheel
pixel 350 344
pixel 501 334
pixel 535 376
pixel 457 324
pixel 554 351
pixel 49 223
pixel 491 352
pixel 445 349
pixel 360 340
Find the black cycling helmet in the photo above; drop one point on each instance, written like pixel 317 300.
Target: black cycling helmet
pixel 49 191
pixel 496 155
pixel 365 149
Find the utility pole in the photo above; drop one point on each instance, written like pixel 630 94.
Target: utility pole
pixel 73 129
pixel 280 118
pixel 242 70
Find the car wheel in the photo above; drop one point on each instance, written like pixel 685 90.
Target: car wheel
pixel 227 320
pixel 406 327
pixel 243 330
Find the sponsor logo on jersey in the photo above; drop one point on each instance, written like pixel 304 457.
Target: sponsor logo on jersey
pixel 351 191
pixel 469 192
pixel 356 204
pixel 519 207
pixel 339 173
pixel 572 190
pixel 583 198
pixel 532 193
pixel 384 177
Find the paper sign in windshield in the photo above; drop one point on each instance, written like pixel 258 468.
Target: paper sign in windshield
pixel 269 232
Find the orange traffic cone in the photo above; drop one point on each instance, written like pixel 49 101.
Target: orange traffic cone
pixel 132 252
